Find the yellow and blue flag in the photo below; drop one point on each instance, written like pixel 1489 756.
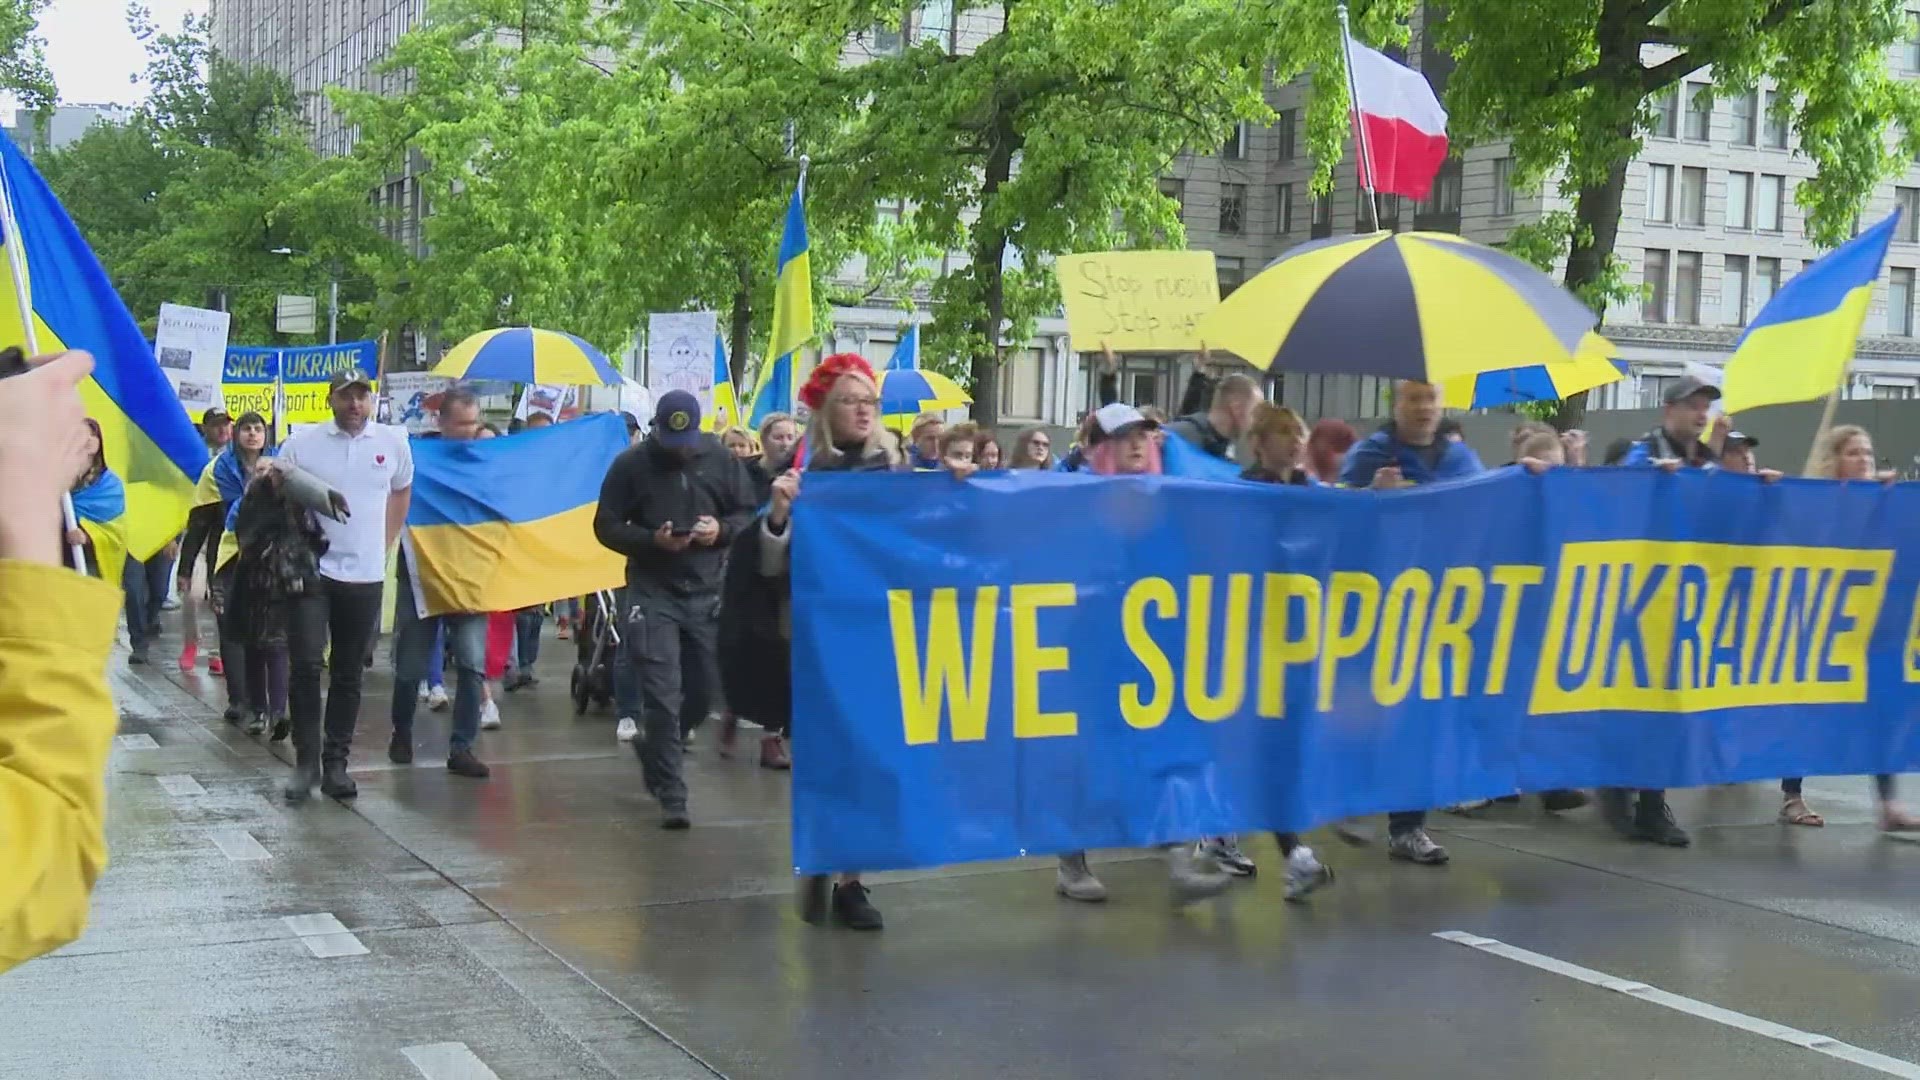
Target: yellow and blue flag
pixel 144 433
pixel 792 311
pixel 1799 345
pixel 101 509
pixel 504 524
pixel 726 402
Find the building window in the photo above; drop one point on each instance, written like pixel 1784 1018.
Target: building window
pixel 889 211
pixel 1659 193
pixel 1699 112
pixel 1022 376
pixel 1908 200
pixel 1284 126
pixel 1774 132
pixel 1739 200
pixel 1766 202
pixel 1766 282
pixel 1911 46
pixel 1693 196
pixel 933 21
pixel 1236 144
pixel 1900 301
pixel 887 40
pixel 1733 291
pixel 1666 113
pixel 1231 272
pixel 1389 211
pixel 1176 190
pixel 1893 391
pixel 1745 121
pixel 1233 209
pixel 1503 187
pixel 1282 209
pixel 1322 224
pixel 1653 302
pixel 1444 196
pixel 1686 288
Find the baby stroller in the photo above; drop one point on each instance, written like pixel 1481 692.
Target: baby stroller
pixel 598 643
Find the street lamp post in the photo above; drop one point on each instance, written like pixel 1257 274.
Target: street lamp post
pixel 333 295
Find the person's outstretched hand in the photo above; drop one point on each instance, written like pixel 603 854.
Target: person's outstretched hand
pixel 43 448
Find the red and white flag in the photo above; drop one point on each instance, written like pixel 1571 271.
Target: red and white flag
pixel 1404 126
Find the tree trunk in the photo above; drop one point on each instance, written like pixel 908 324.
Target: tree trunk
pixel 1596 213
pixel 740 332
pixel 989 258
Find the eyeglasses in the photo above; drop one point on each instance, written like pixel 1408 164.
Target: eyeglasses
pixel 858 403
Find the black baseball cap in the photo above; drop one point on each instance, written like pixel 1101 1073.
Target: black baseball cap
pixel 676 420
pixel 1741 438
pixel 215 415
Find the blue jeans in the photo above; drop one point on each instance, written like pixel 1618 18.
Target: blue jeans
pixel 526 630
pixel 436 656
pixel 416 642
pixel 146 585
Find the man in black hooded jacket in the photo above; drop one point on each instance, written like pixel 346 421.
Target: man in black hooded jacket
pixel 671 504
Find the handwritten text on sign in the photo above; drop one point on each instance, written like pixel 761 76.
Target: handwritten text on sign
pixel 1137 301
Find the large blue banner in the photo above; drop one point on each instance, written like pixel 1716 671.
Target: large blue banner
pixel 1034 663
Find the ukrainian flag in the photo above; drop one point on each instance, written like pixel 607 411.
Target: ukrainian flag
pixel 504 524
pixel 725 412
pixel 101 508
pixel 792 311
pixel 144 432
pixel 1800 344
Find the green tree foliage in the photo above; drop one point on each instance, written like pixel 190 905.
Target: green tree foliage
pixel 23 60
pixel 187 201
pixel 507 105
pixel 1572 83
pixel 1017 131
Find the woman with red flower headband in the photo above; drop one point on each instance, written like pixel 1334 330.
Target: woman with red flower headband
pixel 843 435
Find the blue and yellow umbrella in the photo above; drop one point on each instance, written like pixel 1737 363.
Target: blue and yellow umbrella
pixel 523 354
pixel 1419 305
pixel 911 391
pixel 1593 365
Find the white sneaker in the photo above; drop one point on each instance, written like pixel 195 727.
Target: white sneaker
pixel 437 700
pixel 626 730
pixel 423 691
pixel 1305 873
pixel 489 716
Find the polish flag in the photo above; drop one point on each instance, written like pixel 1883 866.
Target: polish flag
pixel 1404 125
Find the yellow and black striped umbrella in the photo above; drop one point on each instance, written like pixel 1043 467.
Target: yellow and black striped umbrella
pixel 1419 305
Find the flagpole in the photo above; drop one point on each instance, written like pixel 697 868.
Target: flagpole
pixel 1826 421
pixel 1359 125
pixel 17 262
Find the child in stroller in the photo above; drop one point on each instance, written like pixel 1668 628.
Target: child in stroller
pixel 597 645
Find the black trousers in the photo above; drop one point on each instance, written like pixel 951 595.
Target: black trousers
pixel 349 614
pixel 673 643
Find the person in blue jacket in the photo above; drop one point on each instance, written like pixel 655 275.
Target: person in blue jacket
pixel 1411 448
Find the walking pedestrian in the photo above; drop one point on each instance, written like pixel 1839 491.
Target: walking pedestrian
pixel 417 635
pixel 671 505
pixel 371 466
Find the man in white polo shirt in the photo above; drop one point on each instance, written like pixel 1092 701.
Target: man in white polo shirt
pixel 372 467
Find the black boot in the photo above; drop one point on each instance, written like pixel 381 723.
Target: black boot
pixel 334 781
pixel 852 908
pixel 1653 821
pixel 300 782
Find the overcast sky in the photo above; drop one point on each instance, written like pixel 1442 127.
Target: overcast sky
pixel 92 53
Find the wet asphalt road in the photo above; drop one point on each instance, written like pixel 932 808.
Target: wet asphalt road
pixel 539 925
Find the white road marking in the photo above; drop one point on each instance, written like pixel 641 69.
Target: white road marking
pixel 239 845
pixel 1806 1040
pixel 180 784
pixel 136 742
pixel 448 1061
pixel 324 936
